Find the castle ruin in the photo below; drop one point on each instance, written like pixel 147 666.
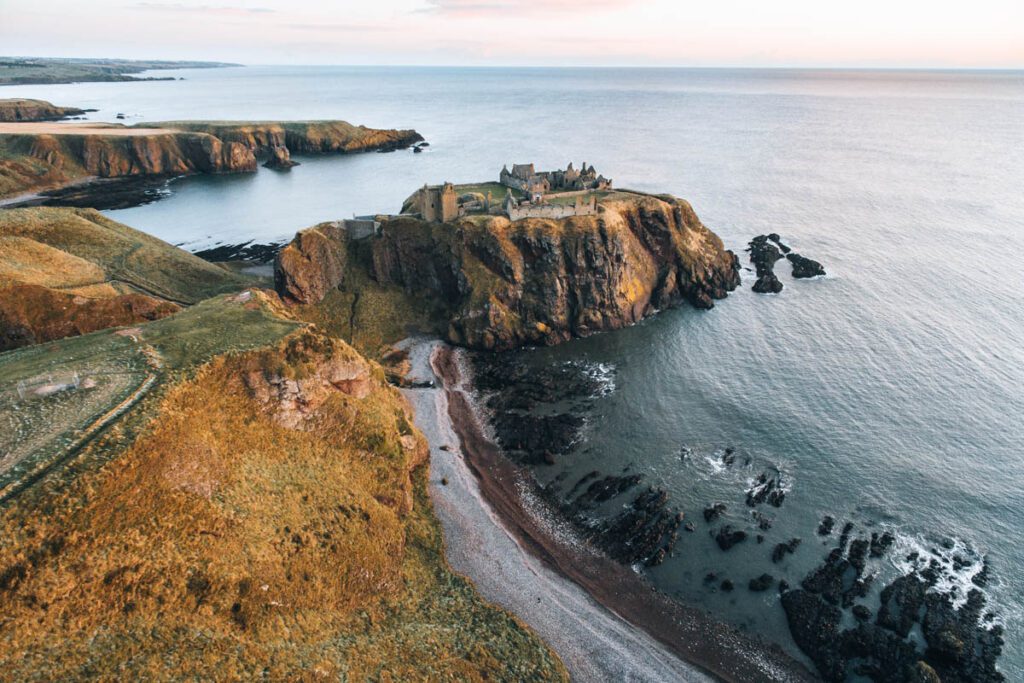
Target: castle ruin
pixel 536 184
pixel 528 194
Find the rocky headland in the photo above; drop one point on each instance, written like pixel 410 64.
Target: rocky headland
pixel 43 156
pixel 504 284
pixel 21 109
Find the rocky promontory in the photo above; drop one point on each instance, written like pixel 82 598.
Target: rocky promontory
pixel 36 156
pixel 20 109
pixel 504 284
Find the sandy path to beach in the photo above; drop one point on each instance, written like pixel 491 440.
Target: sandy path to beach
pixel 594 644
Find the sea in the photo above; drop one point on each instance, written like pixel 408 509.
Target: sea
pixel 889 393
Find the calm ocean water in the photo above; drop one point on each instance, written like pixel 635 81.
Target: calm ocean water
pixel 890 393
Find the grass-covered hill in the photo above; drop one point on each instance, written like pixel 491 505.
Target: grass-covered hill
pixel 226 493
pixel 73 271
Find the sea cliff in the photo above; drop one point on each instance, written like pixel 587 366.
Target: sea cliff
pixel 504 284
pixel 39 156
pixel 20 109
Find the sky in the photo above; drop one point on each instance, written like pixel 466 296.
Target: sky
pixel 759 33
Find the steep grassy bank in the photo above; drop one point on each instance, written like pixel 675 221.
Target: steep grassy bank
pixel 72 271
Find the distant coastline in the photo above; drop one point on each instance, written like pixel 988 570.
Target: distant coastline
pixel 50 71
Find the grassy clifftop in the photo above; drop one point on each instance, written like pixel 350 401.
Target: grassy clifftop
pixel 72 271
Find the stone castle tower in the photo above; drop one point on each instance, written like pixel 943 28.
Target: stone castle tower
pixel 439 204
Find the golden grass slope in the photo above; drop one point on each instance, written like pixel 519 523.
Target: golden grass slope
pixel 226 543
pixel 72 271
pixel 124 254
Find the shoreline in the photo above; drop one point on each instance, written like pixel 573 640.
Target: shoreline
pixel 628 629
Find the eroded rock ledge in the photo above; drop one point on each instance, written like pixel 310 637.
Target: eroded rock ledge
pixel 533 281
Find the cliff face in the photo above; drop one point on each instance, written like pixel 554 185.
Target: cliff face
pixel 35 110
pixel 538 281
pixel 302 137
pixel 47 156
pixel 313 263
pixel 31 314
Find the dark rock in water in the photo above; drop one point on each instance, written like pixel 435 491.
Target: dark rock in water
pixel 861 613
pixel 774 237
pixel 783 586
pixel 764 522
pixel 959 647
pixel 247 251
pixel 585 479
pixel 814 625
pixel 729 456
pixel 844 535
pixel 104 194
pixel 902 601
pixel 981 578
pixel 535 439
pixel 804 267
pixel 279 158
pixel 710 577
pixel 727 585
pixel 760 539
pixel 766 490
pixel 689 526
pixel 761 583
pixel 763 256
pixel 767 284
pixel 714 511
pixel 727 537
pixel 826 526
pixel 858 555
pixel 646 531
pixel 782 549
pixel 880 544
pixel 603 490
